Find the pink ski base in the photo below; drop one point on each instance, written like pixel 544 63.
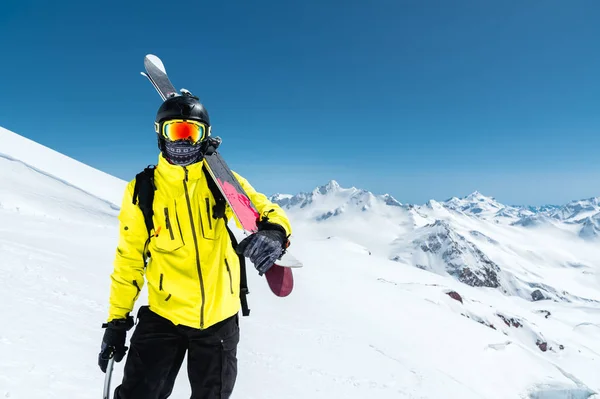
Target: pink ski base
pixel 249 217
pixel 280 279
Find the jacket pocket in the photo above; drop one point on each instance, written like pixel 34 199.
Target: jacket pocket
pixel 160 287
pixel 230 277
pixel 210 226
pixel 167 232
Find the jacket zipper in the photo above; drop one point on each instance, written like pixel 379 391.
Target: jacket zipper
pixel 187 198
pixel 230 278
pixel 168 223
pixel 179 224
pixel 208 213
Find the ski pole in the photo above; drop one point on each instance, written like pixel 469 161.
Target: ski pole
pixel 108 376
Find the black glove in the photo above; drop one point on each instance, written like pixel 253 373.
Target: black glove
pixel 211 145
pixel 113 342
pixel 263 248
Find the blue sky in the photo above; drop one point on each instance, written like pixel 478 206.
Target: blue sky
pixel 420 99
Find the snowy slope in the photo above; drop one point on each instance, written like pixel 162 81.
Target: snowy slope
pixel 29 191
pixel 363 321
pixel 49 162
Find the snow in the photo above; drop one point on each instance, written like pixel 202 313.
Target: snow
pixel 60 167
pixel 358 324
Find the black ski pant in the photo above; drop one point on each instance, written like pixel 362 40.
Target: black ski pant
pixel 157 351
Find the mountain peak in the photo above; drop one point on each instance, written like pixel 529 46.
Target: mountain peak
pixel 475 204
pixel 477 196
pixel 330 187
pixel 390 200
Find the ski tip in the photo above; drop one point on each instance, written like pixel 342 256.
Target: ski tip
pixel 156 61
pixel 143 74
pixel 280 280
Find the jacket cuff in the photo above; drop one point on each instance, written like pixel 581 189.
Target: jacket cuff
pixel 120 324
pixel 264 225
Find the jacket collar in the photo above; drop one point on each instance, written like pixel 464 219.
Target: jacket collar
pixel 172 172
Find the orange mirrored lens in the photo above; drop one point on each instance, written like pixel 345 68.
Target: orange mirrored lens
pixel 183 130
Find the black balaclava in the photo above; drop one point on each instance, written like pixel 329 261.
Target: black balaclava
pixel 182 152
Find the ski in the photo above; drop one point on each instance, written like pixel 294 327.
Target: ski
pixel 279 277
pixel 156 72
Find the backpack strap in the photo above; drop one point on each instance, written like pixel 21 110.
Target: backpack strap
pixel 219 212
pixel 143 195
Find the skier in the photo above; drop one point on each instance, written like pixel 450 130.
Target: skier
pixel 191 267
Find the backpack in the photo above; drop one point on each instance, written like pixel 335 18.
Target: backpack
pixel 143 196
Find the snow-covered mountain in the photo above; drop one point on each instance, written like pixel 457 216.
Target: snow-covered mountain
pixel 581 216
pixel 474 239
pixel 590 227
pixel 476 204
pixel 454 299
pixel 439 248
pixel 332 200
pixel 525 255
pixel 577 210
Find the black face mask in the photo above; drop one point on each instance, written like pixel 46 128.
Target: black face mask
pixel 182 153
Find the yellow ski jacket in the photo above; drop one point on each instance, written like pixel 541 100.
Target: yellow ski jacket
pixel 193 273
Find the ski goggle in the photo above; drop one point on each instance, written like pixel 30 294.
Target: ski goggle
pixel 180 129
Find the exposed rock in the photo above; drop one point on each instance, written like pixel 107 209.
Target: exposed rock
pixel 490 278
pixel 510 321
pixel 330 214
pixel 391 201
pixel 486 324
pixel 546 313
pixel 542 345
pixel 463 259
pixel 537 295
pixel 455 295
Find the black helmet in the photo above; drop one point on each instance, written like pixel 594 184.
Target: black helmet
pixel 182 107
pixel 185 106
